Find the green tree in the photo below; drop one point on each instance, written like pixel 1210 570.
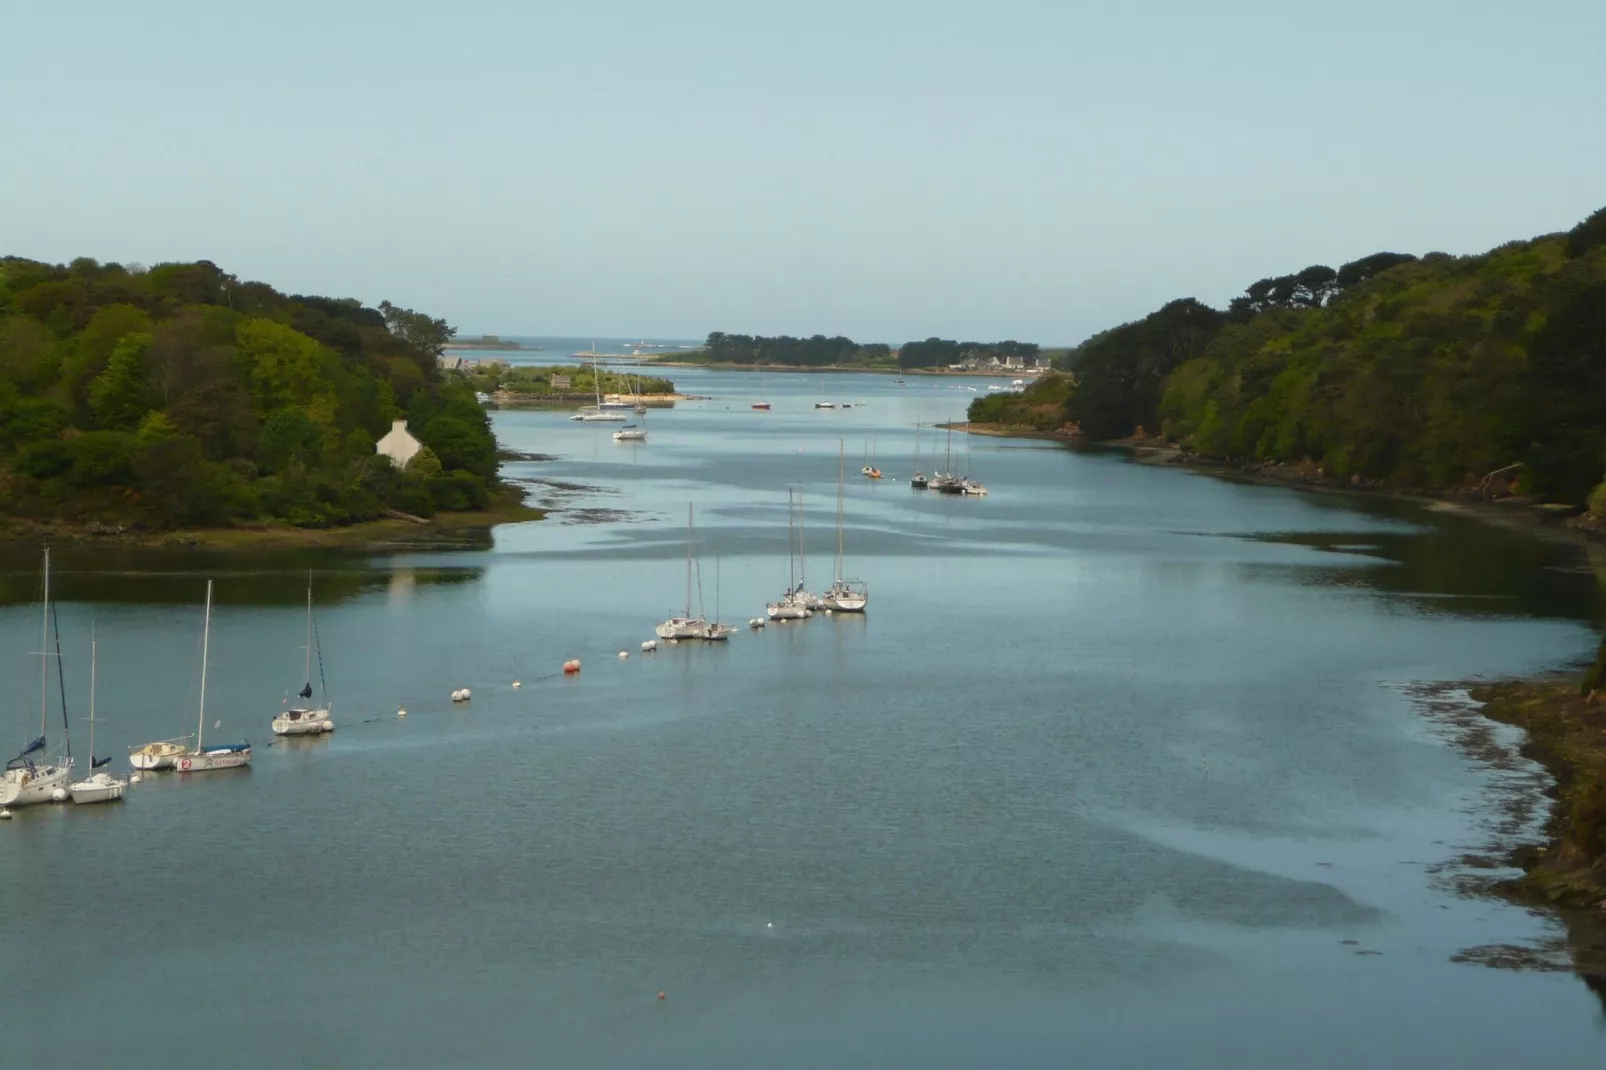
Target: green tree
pixel 117 395
pixel 287 368
pixel 289 437
pixel 424 333
pixel 460 445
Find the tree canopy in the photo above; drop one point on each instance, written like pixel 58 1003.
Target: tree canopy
pixel 184 396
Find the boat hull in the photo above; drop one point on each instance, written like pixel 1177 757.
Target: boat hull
pixel 28 787
pixel 97 789
pixel 302 723
pixel 681 628
pixel 207 761
pixel 787 611
pixel 155 756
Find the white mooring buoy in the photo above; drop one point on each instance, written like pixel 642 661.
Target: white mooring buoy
pixel 649 646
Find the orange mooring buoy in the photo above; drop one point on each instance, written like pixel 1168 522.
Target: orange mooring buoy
pixel 571 666
pixel 661 994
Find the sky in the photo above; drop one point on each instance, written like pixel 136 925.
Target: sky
pixel 881 169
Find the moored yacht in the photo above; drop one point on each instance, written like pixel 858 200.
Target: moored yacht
pixel 27 779
pixel 844 595
pixel 309 719
pixel 100 787
pixel 201 758
pixel 684 626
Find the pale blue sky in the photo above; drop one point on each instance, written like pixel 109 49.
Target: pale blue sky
pixel 882 169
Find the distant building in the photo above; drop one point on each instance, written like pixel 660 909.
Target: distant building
pixel 398 444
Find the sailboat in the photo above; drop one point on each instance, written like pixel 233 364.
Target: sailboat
pixel 599 413
pixel 844 595
pixel 307 720
pixel 792 604
pixel 945 482
pixel 870 471
pixel 970 485
pixel 200 758
pixel 634 432
pixel 918 481
pixel 26 781
pixel 714 631
pixel 100 787
pixel 684 626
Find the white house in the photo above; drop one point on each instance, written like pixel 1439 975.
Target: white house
pixel 398 444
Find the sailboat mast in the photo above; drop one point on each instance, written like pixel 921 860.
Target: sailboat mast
pixel 791 542
pixel 93 655
pixel 309 628
pixel 44 657
pixel 802 558
pixel 206 639
pixel 841 476
pixel 688 557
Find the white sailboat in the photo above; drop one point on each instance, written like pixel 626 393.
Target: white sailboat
pixel 684 626
pixel 24 780
pixel 201 758
pixel 308 720
pixel 600 413
pixel 795 603
pixel 844 595
pixel 715 631
pixel 100 787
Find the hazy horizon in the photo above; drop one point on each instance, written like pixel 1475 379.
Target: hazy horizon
pixel 886 171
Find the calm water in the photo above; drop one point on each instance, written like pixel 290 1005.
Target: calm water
pixel 1115 763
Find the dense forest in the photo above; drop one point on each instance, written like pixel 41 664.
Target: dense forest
pixel 181 396
pixel 1428 373
pixel 1040 406
pixel 820 351
pixel 816 352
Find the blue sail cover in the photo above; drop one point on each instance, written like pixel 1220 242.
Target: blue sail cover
pixel 229 748
pixel 96 763
pixel 36 745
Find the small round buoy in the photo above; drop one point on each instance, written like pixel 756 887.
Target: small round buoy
pixel 769 925
pixel 571 666
pixel 673 641
pixel 649 646
pixel 661 994
pixel 59 795
pixel 623 654
pixel 467 694
pixel 5 815
pixel 517 684
pixel 328 726
pixel 135 779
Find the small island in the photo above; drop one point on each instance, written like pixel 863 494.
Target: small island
pixel 934 356
pixel 567 384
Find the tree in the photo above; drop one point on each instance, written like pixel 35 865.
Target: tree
pixel 287 368
pixel 117 395
pixel 429 336
pixel 1588 234
pixel 460 445
pixel 290 437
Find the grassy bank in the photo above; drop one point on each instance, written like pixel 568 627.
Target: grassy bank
pixel 443 528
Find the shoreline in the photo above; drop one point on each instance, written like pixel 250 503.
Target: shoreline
pixel 371 535
pixel 510 397
pixel 1542 518
pixel 798 369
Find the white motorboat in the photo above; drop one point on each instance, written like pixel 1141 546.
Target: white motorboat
pixel 201 758
pixel 100 787
pixel 159 755
pixel 308 720
pixel 844 595
pixel 630 433
pixel 684 626
pixel 595 416
pixel 825 404
pixel 973 488
pixel 27 780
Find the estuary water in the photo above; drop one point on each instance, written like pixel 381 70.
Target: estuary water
pixel 1122 768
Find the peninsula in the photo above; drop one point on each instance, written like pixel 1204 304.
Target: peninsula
pixel 139 402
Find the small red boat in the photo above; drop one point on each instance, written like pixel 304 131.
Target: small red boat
pixel 764 405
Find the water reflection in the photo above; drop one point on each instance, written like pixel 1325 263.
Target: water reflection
pixel 244 578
